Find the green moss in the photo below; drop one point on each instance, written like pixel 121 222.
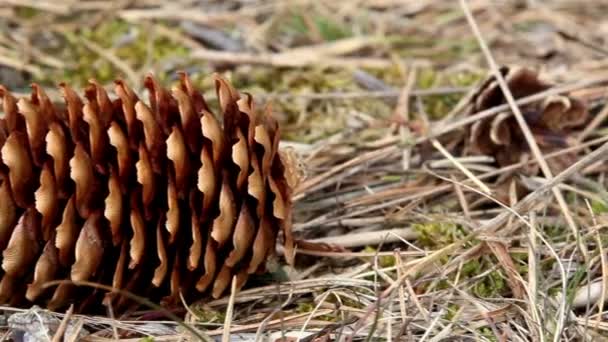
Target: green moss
pixel 427 78
pixel 353 303
pixel 599 207
pixel 557 233
pixel 521 262
pixel 488 334
pixel 207 315
pixel 25 12
pixel 134 45
pixel 471 268
pixel 383 260
pixel 452 309
pixel 437 234
pixel 299 26
pixel 575 281
pixel 491 286
pixel 331 30
pixel 437 106
pixel 304 307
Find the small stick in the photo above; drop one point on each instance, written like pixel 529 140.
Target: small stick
pixel 229 311
pixel 461 199
pixel 63 325
pixel 604 263
pixel 401 116
pixel 353 240
pixel 533 276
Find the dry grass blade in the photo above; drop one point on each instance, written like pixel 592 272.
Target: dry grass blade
pixel 229 311
pixel 528 202
pixel 20 65
pixel 63 326
pixel 141 300
pixel 461 167
pixel 533 277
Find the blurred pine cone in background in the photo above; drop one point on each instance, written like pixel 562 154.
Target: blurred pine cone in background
pixel 551 120
pixel 155 199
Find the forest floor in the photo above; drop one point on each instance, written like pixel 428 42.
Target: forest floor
pixel 429 237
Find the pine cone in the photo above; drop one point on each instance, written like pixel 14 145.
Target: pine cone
pixel 156 199
pixel 551 120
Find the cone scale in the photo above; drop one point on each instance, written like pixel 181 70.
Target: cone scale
pixel 156 197
pixel 551 120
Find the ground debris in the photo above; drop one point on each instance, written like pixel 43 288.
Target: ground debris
pixel 37 325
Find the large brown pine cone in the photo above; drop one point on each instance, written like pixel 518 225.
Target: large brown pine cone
pixel 551 120
pixel 156 198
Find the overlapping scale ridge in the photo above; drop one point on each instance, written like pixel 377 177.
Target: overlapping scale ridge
pixel 157 196
pixel 551 121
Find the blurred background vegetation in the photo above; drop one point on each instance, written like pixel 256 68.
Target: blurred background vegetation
pixel 317 61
